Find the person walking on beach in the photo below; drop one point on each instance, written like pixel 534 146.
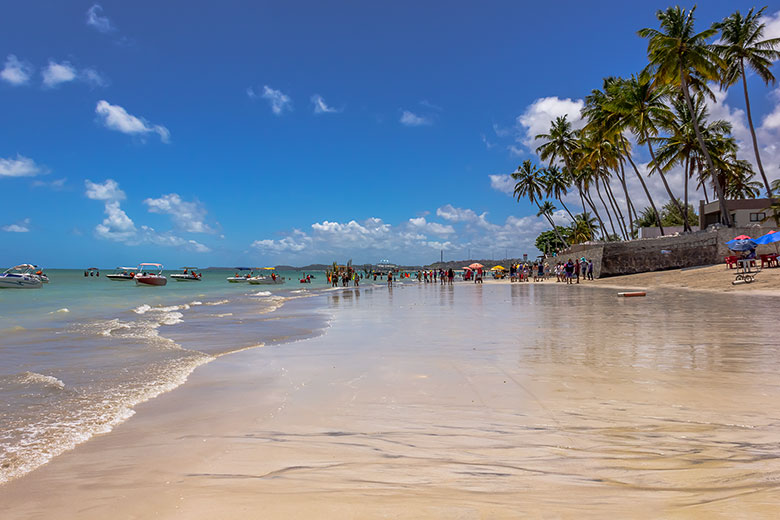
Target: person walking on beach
pixel 577 269
pixel 590 269
pixel 450 276
pixel 569 268
pixel 390 279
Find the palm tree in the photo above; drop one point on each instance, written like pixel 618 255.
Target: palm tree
pixel 741 43
pixel 529 185
pixel 557 184
pixel 603 119
pixel 547 209
pixel 682 58
pixel 561 144
pixel 643 109
pixel 582 229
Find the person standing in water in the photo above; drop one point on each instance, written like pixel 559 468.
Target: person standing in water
pixel 390 279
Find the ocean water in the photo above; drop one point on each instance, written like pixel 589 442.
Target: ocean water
pixel 78 354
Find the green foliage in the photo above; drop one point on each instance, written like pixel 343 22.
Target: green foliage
pixel 670 216
pixel 548 241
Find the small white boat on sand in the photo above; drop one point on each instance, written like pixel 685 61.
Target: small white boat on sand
pixel 21 277
pixel 150 274
pixel 190 274
pixel 122 274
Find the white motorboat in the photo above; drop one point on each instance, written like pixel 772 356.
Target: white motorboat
pixel 263 279
pixel 123 274
pixel 241 278
pixel 21 277
pixel 150 274
pixel 190 274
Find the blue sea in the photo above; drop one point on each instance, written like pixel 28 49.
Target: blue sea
pixel 78 354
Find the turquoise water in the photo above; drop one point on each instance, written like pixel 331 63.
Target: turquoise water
pixel 78 354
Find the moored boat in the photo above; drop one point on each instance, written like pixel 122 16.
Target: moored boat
pixel 263 279
pixel 190 274
pixel 21 276
pixel 122 274
pixel 150 274
pixel 241 278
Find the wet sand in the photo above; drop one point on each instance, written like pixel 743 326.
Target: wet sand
pixel 494 401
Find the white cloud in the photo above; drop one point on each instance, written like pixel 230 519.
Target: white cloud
pixel 19 227
pixel 538 115
pixel 422 225
pixel 503 183
pixel 57 73
pixel 117 225
pixel 93 78
pixel 772 29
pixel 16 72
pixel 20 167
pixel 56 184
pixel 250 92
pixel 188 216
pixel 100 23
pixel 108 190
pixel 412 119
pixel 278 100
pixel 115 117
pixel 320 107
pixel 415 240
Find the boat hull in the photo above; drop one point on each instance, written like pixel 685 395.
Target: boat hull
pixel 265 281
pixel 150 280
pixel 20 282
pixel 184 278
pixel 119 277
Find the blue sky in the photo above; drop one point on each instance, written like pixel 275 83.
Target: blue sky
pixel 226 133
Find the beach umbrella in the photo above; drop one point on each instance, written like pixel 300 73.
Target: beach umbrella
pixel 498 268
pixel 773 237
pixel 476 266
pixel 741 244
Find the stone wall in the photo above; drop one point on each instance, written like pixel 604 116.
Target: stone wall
pixel 667 252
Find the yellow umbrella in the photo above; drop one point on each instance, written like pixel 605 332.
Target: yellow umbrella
pixel 498 268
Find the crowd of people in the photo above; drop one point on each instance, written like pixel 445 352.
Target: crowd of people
pixel 567 272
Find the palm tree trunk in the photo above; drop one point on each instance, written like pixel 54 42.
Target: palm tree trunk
pixel 555 229
pixel 663 178
pixel 629 205
pixel 606 209
pixel 560 199
pixel 595 212
pixel 647 192
pixel 616 208
pixel 687 226
pixel 753 130
pixel 724 213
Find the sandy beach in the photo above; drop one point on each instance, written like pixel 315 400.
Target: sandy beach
pixel 714 278
pixel 423 401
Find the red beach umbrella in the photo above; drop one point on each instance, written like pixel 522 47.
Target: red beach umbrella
pixel 476 266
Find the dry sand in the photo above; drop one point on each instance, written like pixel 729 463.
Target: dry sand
pixel 715 278
pixel 494 401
